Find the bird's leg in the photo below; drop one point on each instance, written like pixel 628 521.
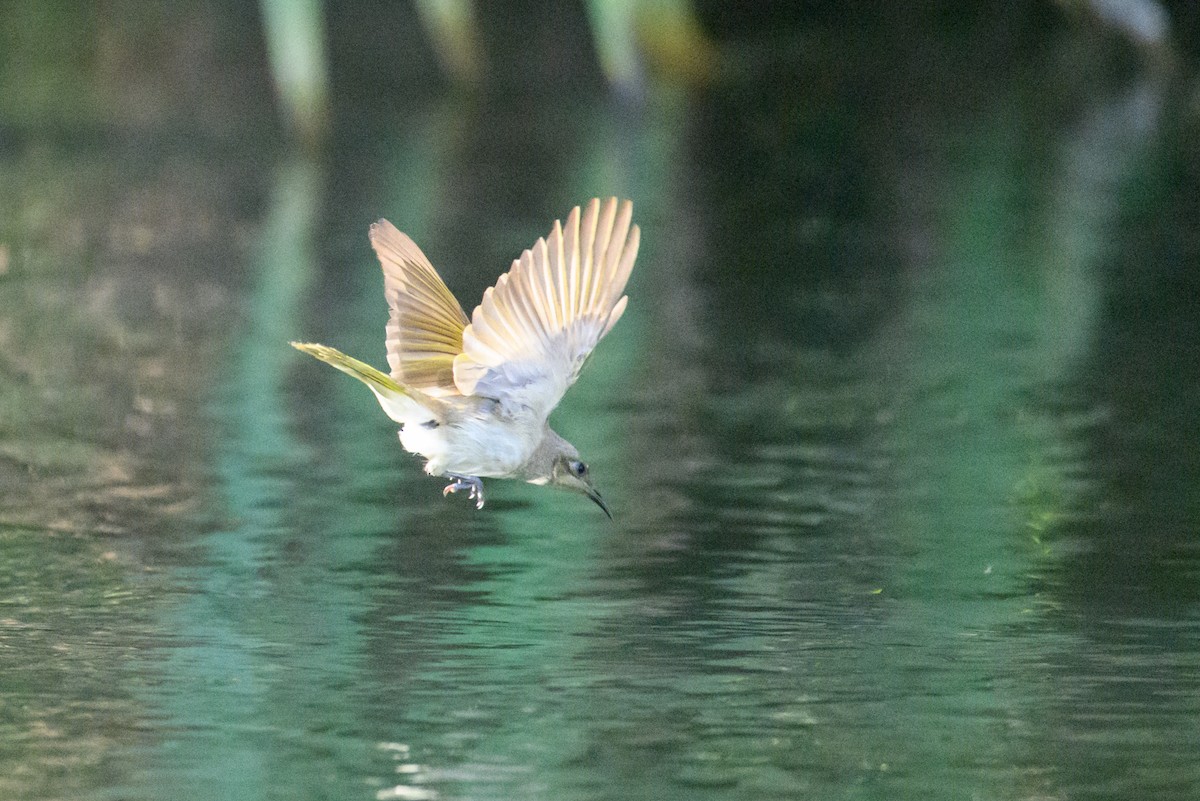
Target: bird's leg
pixel 472 483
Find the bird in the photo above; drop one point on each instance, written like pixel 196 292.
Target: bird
pixel 473 396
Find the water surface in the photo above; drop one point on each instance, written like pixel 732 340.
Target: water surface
pixel 897 429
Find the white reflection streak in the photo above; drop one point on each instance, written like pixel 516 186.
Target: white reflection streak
pixel 1098 157
pixel 402 792
pixel 1144 21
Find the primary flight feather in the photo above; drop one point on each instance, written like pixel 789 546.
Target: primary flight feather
pixel 473 395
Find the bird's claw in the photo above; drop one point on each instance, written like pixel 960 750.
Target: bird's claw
pixel 472 483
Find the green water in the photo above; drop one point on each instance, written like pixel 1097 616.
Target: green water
pixel 899 432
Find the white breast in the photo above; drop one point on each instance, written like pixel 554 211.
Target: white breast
pixel 475 445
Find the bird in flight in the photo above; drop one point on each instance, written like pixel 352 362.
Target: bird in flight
pixel 473 396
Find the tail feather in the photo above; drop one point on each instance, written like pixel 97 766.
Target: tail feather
pixel 403 404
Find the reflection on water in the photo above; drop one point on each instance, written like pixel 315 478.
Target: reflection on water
pixel 892 428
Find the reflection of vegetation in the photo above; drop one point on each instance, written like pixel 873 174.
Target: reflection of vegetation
pixel 1043 503
pixel 226 680
pixel 72 618
pixel 295 36
pixel 453 29
pixel 107 336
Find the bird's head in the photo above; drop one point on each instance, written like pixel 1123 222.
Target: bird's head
pixel 569 472
pixel 556 463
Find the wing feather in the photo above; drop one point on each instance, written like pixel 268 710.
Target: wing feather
pixel 425 328
pixel 531 334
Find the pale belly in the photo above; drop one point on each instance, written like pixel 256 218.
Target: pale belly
pixel 472 446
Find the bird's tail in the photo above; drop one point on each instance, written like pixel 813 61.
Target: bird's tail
pixel 402 404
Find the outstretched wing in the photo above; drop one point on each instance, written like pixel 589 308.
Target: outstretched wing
pixel 424 331
pixel 530 336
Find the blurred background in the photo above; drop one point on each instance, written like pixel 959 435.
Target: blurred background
pixel 900 428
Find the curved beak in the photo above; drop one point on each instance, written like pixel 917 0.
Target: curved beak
pixel 596 499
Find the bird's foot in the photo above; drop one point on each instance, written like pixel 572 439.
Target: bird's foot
pixel 472 483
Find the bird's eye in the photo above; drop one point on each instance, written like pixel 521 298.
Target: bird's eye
pixel 577 468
